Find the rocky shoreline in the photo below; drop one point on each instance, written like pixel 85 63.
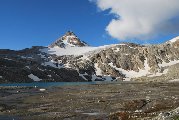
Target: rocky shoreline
pixel 107 101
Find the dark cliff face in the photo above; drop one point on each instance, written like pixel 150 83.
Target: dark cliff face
pixel 16 66
pixel 115 62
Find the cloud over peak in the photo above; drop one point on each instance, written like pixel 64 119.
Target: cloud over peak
pixel 141 19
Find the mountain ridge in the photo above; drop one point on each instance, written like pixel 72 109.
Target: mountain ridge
pixel 74 60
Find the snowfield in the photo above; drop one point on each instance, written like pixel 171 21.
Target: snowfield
pixel 175 80
pixel 174 39
pixel 74 50
pixel 33 77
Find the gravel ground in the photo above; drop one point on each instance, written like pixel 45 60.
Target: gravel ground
pixel 114 101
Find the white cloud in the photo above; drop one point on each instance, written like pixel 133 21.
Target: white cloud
pixel 141 19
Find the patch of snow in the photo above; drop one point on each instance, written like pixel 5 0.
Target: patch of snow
pixel 175 80
pixel 133 74
pixel 42 89
pixel 68 50
pixel 131 47
pixel 122 44
pixel 86 50
pixel 85 57
pixel 94 77
pixel 33 77
pixel 23 57
pixel 91 114
pixel 107 78
pixel 117 50
pixel 42 56
pixel 27 67
pixel 127 79
pixel 7 59
pixel 146 66
pixel 0 76
pixel 159 74
pixel 145 72
pixel 164 64
pixel 98 70
pixel 103 78
pixel 174 39
pixel 60 61
pixel 82 75
pixel 26 57
pixel 49 75
pixel 40 69
pixel 66 42
pixel 67 65
pixel 138 111
pixel 52 64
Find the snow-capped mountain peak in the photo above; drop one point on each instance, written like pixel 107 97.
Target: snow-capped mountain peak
pixel 69 58
pixel 68 40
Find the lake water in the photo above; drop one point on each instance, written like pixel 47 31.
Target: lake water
pixel 49 84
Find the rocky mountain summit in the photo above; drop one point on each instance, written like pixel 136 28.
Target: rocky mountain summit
pixel 70 59
pixel 69 39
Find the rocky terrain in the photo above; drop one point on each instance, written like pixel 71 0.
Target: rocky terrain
pixel 70 59
pixel 104 101
pixel 26 65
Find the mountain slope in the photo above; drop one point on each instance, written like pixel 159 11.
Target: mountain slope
pixel 69 59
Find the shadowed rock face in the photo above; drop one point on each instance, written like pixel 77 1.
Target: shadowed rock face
pixel 110 63
pixel 15 66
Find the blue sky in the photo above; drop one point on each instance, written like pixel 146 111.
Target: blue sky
pixel 26 23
